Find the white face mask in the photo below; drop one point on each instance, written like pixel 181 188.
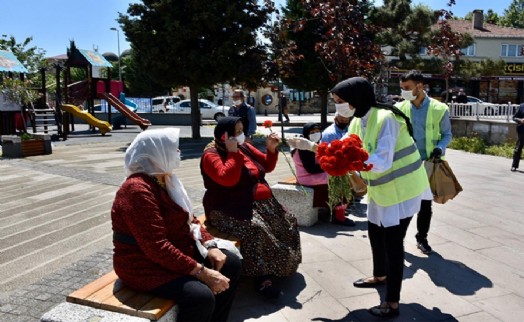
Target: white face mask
pixel 407 95
pixel 344 110
pixel 315 137
pixel 237 102
pixel 241 138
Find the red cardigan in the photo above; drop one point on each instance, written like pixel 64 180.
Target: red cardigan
pixel 227 172
pixel 165 250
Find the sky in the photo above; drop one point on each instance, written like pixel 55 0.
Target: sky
pixel 53 23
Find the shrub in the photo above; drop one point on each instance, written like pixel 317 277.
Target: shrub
pixel 476 144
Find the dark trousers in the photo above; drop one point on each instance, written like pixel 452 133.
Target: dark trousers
pixel 387 247
pixel 424 219
pixel 518 150
pixel 196 300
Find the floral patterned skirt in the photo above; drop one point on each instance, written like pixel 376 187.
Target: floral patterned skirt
pixel 269 242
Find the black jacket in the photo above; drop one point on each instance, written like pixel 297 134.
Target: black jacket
pixel 517 118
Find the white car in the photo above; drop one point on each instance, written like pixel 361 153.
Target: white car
pixel 484 108
pixel 162 104
pixel 208 109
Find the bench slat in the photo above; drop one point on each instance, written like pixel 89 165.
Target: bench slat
pixel 91 288
pixel 109 293
pixel 290 180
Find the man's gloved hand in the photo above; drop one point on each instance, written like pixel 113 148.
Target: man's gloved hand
pixel 301 144
pixel 437 153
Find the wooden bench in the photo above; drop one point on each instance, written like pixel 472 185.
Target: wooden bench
pixel 108 293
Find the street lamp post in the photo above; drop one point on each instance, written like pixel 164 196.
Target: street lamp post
pixel 118 44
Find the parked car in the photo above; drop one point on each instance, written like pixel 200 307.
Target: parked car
pixel 208 109
pixel 484 108
pixel 163 104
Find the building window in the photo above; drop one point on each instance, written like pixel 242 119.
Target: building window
pixel 507 50
pixel 469 51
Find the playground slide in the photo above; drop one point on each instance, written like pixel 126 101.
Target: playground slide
pixel 90 119
pixel 121 107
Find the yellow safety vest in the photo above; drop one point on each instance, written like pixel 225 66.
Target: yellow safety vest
pixel 407 177
pixel 435 114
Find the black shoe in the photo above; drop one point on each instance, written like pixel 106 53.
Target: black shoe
pixel 424 246
pixel 384 311
pixel 362 283
pixel 347 222
pixel 513 169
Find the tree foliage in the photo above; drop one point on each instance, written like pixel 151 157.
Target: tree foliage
pixel 324 42
pixel 403 28
pixel 197 43
pixel 514 15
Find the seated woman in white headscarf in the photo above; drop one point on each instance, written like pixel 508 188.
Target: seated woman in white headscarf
pixel 159 246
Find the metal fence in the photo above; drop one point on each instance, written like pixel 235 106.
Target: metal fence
pixel 483 111
pixel 144 104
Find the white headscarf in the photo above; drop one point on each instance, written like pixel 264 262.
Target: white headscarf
pixel 155 152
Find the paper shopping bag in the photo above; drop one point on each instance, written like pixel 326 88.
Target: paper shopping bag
pixel 442 181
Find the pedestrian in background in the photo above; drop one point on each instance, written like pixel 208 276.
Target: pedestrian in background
pixel 246 112
pixel 519 119
pixel 432 133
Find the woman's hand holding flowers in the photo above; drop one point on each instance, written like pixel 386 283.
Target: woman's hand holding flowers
pixel 272 142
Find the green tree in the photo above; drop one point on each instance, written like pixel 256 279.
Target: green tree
pixel 403 28
pixel 197 43
pixel 343 41
pixel 514 15
pixel 490 17
pixel 138 82
pixel 300 65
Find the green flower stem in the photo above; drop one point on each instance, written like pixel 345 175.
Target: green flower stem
pixel 339 191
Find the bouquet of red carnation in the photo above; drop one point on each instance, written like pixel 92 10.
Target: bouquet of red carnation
pixel 340 159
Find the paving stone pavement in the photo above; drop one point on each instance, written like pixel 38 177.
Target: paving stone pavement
pixel 55 236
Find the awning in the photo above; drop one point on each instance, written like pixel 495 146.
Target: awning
pixel 9 63
pixel 94 58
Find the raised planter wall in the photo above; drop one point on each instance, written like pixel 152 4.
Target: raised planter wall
pixel 14 147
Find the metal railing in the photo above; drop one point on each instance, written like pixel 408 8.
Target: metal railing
pixel 483 111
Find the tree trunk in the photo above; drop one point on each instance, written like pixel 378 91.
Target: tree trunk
pixel 195 112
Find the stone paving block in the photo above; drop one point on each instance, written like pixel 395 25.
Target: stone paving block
pixel 507 308
pixel 69 312
pixel 315 310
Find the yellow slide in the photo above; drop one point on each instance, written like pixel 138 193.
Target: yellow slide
pixel 103 126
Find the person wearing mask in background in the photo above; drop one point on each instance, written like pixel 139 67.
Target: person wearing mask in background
pixel 519 119
pixel 336 131
pixel 159 246
pixel 340 125
pixel 462 98
pixel 432 134
pixel 308 170
pixel 238 201
pixel 246 112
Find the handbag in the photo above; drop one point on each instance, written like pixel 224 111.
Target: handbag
pixel 358 186
pixel 442 180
